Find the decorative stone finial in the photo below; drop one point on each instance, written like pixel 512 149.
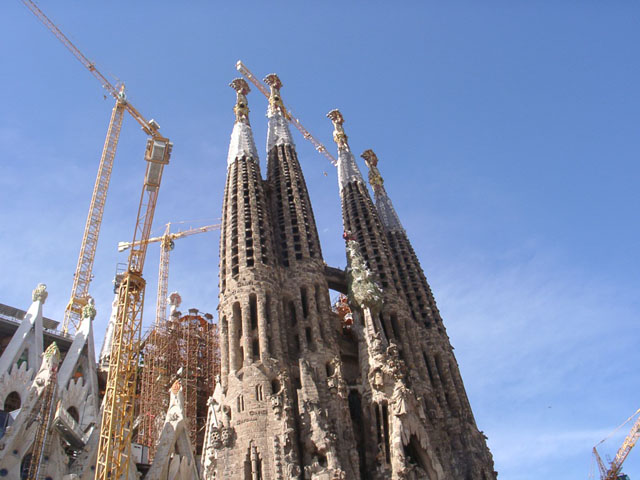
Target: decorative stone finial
pixel 52 352
pixel 275 100
pixel 339 136
pixel 241 108
pixel 89 310
pixel 363 289
pixel 40 293
pixel 371 160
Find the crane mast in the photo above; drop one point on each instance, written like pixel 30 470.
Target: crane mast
pixel 114 447
pixel 83 274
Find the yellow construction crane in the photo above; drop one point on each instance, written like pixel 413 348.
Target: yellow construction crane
pixel 84 268
pixel 614 470
pixel 241 67
pixel 166 245
pixel 147 431
pixel 114 446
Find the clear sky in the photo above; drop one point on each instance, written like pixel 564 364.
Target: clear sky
pixel 508 135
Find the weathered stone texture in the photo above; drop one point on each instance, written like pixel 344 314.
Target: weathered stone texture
pixel 302 395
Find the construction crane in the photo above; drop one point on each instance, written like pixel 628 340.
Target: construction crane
pixel 241 67
pixel 114 447
pixel 147 433
pixel 166 245
pixel 614 470
pixel 84 268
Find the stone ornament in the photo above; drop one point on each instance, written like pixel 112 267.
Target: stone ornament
pixel 89 310
pixel 40 293
pixel 241 108
pixel 363 289
pixel 339 135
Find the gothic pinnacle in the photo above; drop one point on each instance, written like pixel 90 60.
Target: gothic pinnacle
pixel 278 132
pixel 386 212
pixel 241 109
pixel 241 143
pixel 339 136
pixel 275 100
pixel 371 160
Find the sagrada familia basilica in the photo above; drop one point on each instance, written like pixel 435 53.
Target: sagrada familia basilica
pixel 365 389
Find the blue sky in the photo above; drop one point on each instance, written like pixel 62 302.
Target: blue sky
pixel 508 137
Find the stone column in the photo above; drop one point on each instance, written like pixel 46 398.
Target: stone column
pixel 246 331
pixel 262 328
pixel 224 350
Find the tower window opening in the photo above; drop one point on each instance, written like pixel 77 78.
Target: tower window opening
pixel 385 425
pixel 255 346
pixel 275 386
pixel 253 311
pixel 292 314
pixel 310 344
pixel 305 301
pixel 394 325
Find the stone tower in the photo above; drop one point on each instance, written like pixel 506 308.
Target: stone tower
pixel 419 410
pixel 280 408
pixel 468 446
pixel 303 395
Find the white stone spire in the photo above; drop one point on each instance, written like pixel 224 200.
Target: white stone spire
pixel 386 212
pixel 348 170
pixel 241 143
pixel 278 132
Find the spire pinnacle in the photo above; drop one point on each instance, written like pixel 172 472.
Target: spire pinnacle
pixel 275 100
pixel 278 132
pixel 386 212
pixel 241 109
pixel 242 143
pixel 339 136
pixel 371 160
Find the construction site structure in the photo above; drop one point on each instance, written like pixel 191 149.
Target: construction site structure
pixel 184 347
pixel 613 471
pixel 84 268
pixel 114 445
pixel 154 382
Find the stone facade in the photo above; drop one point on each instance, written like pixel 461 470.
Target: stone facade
pixel 300 396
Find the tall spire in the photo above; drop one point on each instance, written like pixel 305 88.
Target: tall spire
pixel 242 144
pixel 387 213
pixel 278 132
pixel 348 170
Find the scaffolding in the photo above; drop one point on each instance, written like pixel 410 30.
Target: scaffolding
pixel 185 348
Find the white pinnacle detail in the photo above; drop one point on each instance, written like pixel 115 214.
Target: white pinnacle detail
pixel 348 170
pixel 278 132
pixel 241 143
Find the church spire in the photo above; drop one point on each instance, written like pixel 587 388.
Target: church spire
pixel 348 170
pixel 386 212
pixel 278 132
pixel 242 144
